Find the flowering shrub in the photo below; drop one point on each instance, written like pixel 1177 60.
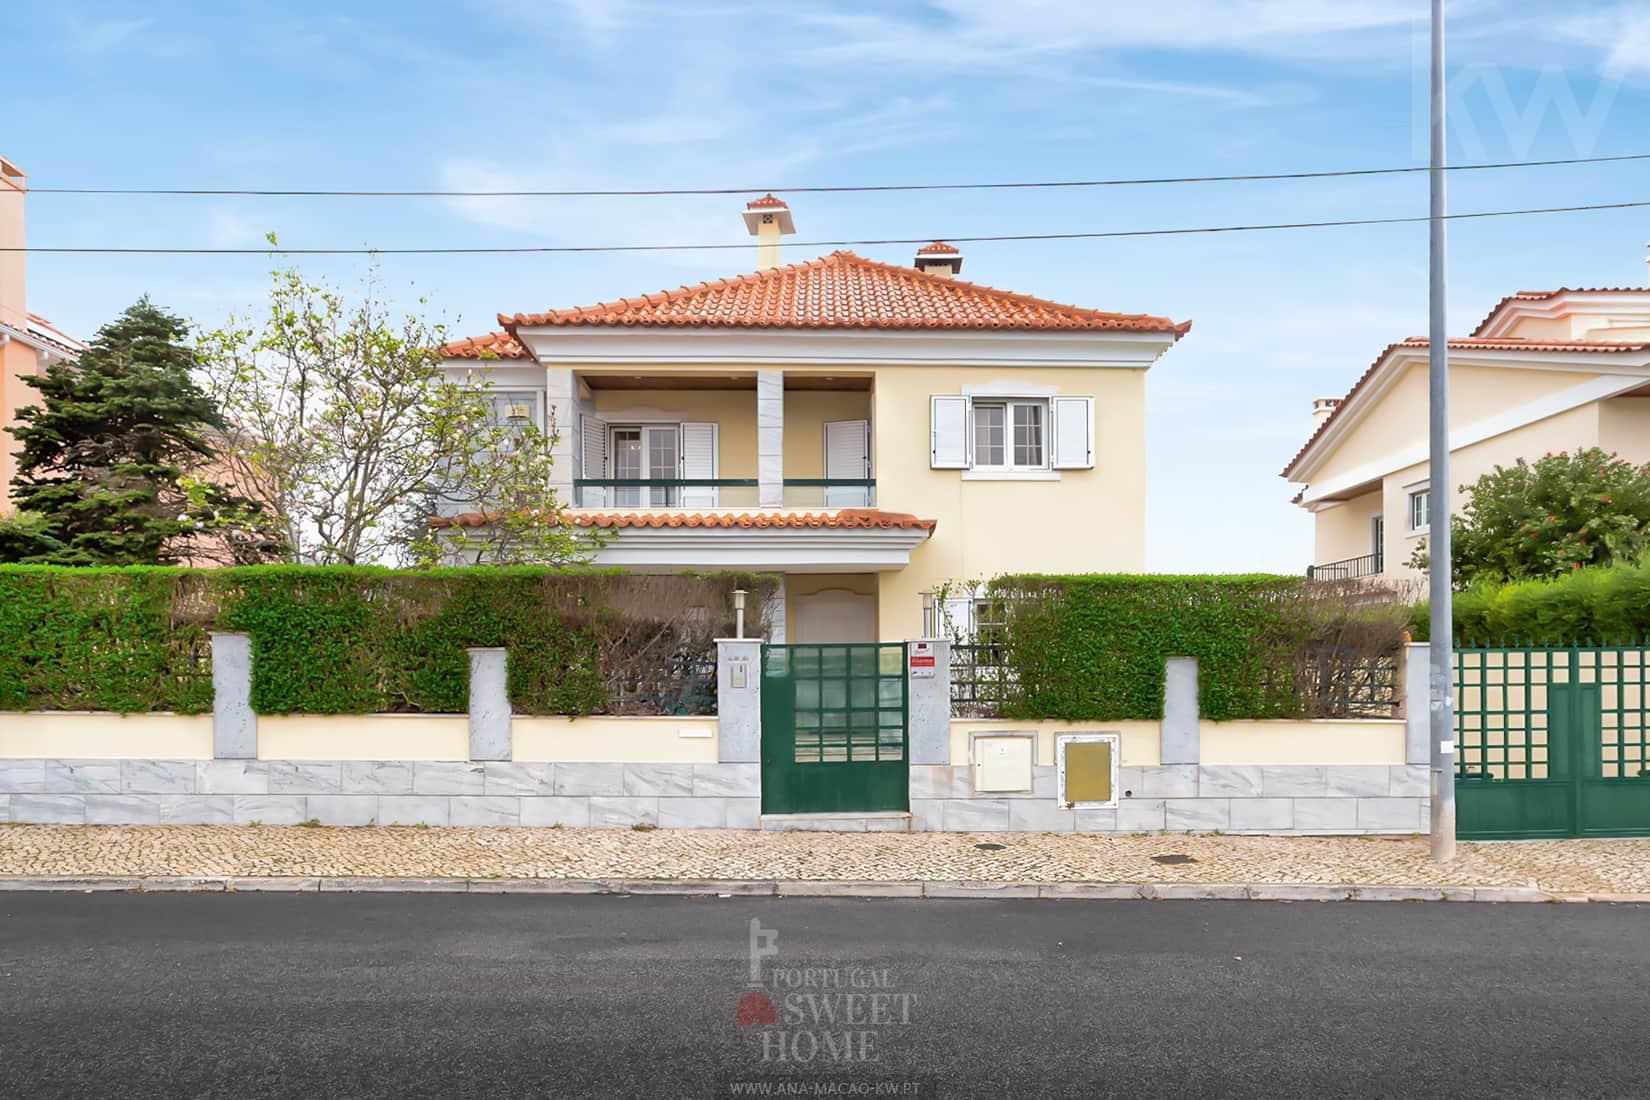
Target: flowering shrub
pixel 1550 517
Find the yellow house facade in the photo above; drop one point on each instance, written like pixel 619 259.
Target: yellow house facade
pixel 1546 371
pixel 879 434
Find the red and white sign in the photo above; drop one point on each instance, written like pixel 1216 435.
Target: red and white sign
pixel 922 659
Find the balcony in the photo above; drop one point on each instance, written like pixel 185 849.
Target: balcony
pixel 1349 569
pixel 722 493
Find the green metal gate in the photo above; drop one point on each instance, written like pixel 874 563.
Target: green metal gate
pixel 833 728
pixel 1552 742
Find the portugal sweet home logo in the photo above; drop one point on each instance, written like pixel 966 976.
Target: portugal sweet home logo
pixel 818 1015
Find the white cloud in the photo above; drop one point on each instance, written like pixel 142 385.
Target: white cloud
pixel 1621 33
pixel 989 32
pixel 100 38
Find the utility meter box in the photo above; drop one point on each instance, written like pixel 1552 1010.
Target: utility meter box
pixel 1003 762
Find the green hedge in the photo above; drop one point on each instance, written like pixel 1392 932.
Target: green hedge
pixel 341 639
pixel 103 639
pixel 1605 604
pixel 1092 648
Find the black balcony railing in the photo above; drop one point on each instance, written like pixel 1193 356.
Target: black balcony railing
pixel 1350 569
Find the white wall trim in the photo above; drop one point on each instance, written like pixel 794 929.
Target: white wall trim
pixel 1010 388
pixel 49 352
pixel 1607 306
pixel 508 374
pixel 1399 360
pixel 995 473
pixel 1551 405
pixel 695 345
pixel 784 549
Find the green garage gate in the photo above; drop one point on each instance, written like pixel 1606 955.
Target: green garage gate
pixel 1552 741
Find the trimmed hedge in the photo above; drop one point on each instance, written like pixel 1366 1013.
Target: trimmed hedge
pixel 1092 647
pixel 1605 604
pixel 96 638
pixel 343 639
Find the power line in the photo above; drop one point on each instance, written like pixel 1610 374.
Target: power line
pixel 820 189
pixel 275 250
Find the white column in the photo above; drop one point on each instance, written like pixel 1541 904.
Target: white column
pixel 1417 704
pixel 234 726
pixel 770 438
pixel 489 704
pixel 1179 740
pixel 738 700
pixel 560 410
pixel 928 700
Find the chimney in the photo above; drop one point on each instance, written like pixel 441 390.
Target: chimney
pixel 768 219
pixel 13 305
pixel 1322 409
pixel 939 259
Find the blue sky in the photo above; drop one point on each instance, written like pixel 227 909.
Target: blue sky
pixel 680 93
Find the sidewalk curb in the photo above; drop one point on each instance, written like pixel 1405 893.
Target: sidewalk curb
pixel 1069 891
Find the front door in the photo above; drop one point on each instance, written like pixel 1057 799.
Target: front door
pixel 833 729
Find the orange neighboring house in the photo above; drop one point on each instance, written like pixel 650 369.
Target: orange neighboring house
pixel 28 342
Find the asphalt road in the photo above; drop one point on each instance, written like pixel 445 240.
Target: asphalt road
pixel 410 995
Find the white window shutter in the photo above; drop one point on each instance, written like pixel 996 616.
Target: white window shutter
pixel 699 462
pixel 1073 422
pixel 847 457
pixel 948 433
pixel 592 460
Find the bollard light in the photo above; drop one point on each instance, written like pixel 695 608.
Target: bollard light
pixel 739 612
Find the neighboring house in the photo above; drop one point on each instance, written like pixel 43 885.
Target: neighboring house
pixel 872 431
pixel 28 342
pixel 1546 371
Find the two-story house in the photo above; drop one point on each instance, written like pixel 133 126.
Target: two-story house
pixel 1546 371
pixel 28 342
pixel 874 432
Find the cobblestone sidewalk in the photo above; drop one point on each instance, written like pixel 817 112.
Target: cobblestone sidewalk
pixel 1559 867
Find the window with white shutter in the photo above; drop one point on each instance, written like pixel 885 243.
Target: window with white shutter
pixel 699 462
pixel 592 461
pixel 948 433
pixel 847 458
pixel 1073 421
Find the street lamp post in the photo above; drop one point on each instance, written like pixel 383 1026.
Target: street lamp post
pixel 1441 709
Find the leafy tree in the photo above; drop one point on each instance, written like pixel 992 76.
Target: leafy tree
pixel 112 459
pixel 1543 519
pixel 345 424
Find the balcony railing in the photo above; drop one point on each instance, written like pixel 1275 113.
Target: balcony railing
pixel 720 492
pixel 830 492
pixel 1350 569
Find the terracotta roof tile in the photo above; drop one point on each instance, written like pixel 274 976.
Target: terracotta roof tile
pixel 1548 295
pixel 938 248
pixel 1466 343
pixel 845 518
pixel 493 345
pixel 42 329
pixel 846 291
pixel 770 201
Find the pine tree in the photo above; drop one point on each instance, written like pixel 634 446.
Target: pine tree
pixel 107 470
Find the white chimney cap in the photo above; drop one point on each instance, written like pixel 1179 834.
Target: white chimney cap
pixel 936 255
pixel 768 209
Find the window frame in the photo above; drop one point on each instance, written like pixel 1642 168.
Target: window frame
pixel 1411 495
pixel 1008 405
pixel 644 430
